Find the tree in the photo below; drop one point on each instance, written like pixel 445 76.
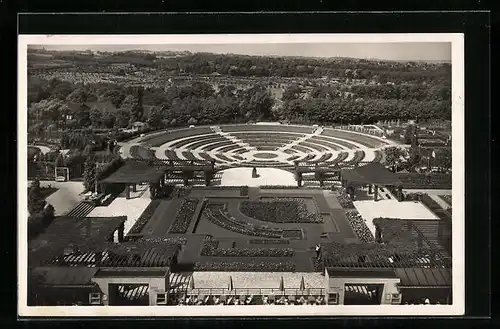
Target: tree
pixel 36 203
pixel 192 121
pixel 444 158
pixel 156 117
pixel 392 156
pixel 89 174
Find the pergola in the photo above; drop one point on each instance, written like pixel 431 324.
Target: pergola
pixel 133 173
pixel 372 174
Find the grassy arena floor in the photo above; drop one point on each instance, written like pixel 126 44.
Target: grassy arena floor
pixel 335 224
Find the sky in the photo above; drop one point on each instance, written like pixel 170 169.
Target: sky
pixel 414 51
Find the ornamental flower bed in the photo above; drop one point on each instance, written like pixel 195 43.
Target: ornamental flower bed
pixel 184 216
pixel 250 266
pixel 145 216
pixel 344 199
pixel 359 226
pixel 269 241
pixel 280 210
pixel 224 220
pixel 209 248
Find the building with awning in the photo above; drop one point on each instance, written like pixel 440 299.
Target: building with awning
pixel 418 284
pixel 372 174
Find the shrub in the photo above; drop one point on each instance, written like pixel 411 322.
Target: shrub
pixel 244 191
pixel 209 248
pixel 184 216
pixel 359 226
pixel 269 241
pixel 430 181
pixel 252 266
pixel 344 199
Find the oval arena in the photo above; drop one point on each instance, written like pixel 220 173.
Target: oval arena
pixel 260 145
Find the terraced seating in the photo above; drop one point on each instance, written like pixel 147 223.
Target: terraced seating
pixel 316 140
pixel 223 157
pixel 284 128
pixel 292 158
pixel 267 148
pixel 197 141
pixel 189 156
pixel 301 149
pixel 241 151
pixel 202 143
pixel 324 157
pixel 340 157
pixel 206 156
pixel 315 146
pixel 358 156
pixel 334 141
pixel 358 138
pixel 171 155
pixel 160 139
pixel 229 148
pixel 211 147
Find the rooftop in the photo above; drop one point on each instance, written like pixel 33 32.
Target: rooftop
pixel 371 173
pixel 135 172
pixel 62 276
pixel 342 272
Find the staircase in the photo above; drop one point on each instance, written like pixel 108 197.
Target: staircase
pixel 81 210
pixel 316 132
pixel 235 140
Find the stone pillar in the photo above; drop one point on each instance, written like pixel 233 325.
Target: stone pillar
pixel 400 193
pixel 134 187
pixel 121 232
pixel 370 189
pixel 127 191
pixel 376 193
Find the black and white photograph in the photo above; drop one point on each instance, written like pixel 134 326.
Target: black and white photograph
pixel 241 175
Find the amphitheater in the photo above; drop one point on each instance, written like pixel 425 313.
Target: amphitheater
pixel 260 145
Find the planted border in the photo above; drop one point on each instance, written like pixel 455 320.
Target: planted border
pixel 145 216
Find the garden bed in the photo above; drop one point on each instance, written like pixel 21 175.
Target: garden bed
pixel 145 216
pixel 210 248
pixel 269 241
pixel 280 210
pixel 247 266
pixel 184 216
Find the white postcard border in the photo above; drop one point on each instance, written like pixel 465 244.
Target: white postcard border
pixel 458 176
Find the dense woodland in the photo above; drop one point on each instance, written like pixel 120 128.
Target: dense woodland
pixel 391 90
